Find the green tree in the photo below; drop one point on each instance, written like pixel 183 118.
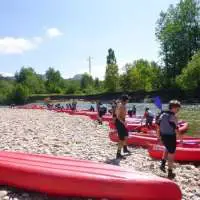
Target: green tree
pixel 178 31
pixel 141 75
pixel 6 89
pixel 72 87
pixel 20 94
pixel 156 76
pixel 54 81
pixel 190 77
pixel 86 81
pixel 126 78
pixel 96 83
pixel 29 78
pixel 111 75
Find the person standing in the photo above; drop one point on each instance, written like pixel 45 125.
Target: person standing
pixel 134 110
pixel 101 109
pixel 74 105
pixel 91 108
pixel 167 130
pixel 149 116
pixel 121 126
pixel 113 109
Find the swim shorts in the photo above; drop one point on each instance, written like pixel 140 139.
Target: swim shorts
pixel 169 141
pixel 121 129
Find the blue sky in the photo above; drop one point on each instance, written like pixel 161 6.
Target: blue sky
pixel 64 33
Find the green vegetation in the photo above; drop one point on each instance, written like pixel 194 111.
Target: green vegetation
pixel 190 77
pixel 141 75
pixel 178 32
pixel 192 116
pixel 112 75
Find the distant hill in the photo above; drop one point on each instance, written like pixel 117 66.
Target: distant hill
pixel 77 77
pixel 4 76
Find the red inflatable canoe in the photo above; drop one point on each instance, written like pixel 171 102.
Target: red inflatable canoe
pixel 92 115
pixel 70 177
pixel 31 106
pixel 183 127
pixel 143 139
pixel 183 153
pixel 130 127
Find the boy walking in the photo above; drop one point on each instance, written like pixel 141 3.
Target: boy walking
pixel 167 130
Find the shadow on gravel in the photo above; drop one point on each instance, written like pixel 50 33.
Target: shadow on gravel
pixel 113 161
pixel 20 194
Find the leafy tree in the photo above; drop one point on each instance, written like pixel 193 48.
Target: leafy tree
pixel 126 78
pixel 24 73
pixel 111 75
pixel 96 83
pixel 141 75
pixel 54 81
pixel 178 31
pixel 29 78
pixel 190 77
pixel 6 89
pixel 72 86
pixel 86 81
pixel 156 76
pixel 111 60
pixel 20 94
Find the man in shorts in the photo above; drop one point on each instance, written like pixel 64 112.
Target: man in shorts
pixel 167 130
pixel 149 116
pixel 121 126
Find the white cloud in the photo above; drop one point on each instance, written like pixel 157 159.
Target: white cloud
pixel 38 40
pixel 12 45
pixel 19 45
pixel 53 32
pixel 5 74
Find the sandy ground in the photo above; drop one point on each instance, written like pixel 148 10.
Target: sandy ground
pixel 48 132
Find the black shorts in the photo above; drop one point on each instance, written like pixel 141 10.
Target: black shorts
pixel 121 129
pixel 101 114
pixel 149 120
pixel 169 141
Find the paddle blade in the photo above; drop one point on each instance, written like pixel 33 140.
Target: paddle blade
pixel 158 103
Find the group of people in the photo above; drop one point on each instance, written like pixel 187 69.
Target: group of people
pixel 132 112
pixel 166 127
pixel 70 106
pixel 167 131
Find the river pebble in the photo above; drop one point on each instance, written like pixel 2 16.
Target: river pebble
pixel 41 131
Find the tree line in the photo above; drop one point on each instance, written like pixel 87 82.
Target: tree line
pixel 178 33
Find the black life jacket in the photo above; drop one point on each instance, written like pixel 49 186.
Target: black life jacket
pixel 160 117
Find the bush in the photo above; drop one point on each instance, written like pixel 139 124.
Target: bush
pixel 20 94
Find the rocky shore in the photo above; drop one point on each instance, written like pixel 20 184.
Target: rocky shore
pixel 36 131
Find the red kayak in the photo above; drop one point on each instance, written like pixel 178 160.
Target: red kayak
pixel 92 115
pixel 130 127
pixel 32 107
pixel 107 118
pixel 142 139
pixel 79 113
pixel 183 127
pixel 65 176
pixel 185 152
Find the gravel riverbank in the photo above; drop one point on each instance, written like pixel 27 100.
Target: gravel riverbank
pixel 36 131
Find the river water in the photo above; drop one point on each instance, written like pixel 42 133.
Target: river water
pixel 139 106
